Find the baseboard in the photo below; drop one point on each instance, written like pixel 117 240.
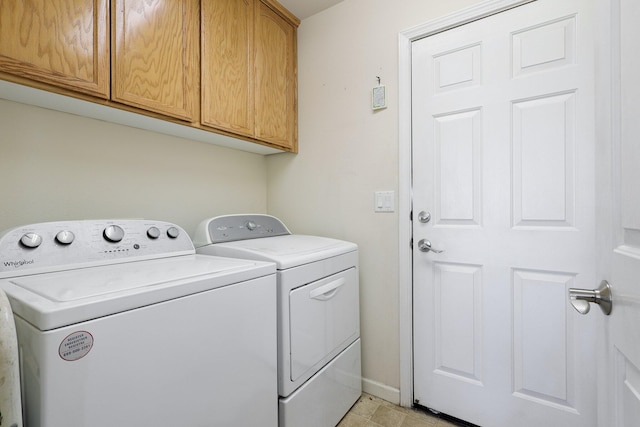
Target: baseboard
pixel 382 391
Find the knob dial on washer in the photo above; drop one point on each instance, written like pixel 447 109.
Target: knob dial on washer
pixel 251 225
pixel 153 232
pixel 113 233
pixel 31 240
pixel 173 232
pixel 65 237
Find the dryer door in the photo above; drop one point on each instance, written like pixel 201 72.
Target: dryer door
pixel 324 320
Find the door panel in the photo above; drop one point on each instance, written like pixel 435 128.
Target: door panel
pixel 457 145
pixel 543 160
pixel 155 59
pixel 276 77
pixel 625 338
pixel 323 321
pixel 227 65
pixel 458 285
pixel 64 43
pixel 502 113
pixel 624 334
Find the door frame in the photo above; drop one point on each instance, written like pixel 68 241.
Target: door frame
pixel 605 133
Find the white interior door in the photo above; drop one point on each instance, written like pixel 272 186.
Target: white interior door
pixel 503 155
pixel 622 372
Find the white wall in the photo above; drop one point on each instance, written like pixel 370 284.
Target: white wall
pixel 58 166
pixel 348 151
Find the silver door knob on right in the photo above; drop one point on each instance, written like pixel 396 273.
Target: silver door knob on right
pixel 425 246
pixel 580 298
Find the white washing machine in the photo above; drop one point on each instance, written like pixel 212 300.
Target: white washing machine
pixel 319 369
pixel 121 323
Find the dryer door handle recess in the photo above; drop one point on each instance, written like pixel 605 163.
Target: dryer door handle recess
pixel 325 292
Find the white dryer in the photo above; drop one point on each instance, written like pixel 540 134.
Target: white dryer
pixel 121 323
pixel 319 369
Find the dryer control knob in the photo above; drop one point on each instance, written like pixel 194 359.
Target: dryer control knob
pixel 113 233
pixel 173 232
pixel 65 237
pixel 153 232
pixel 31 240
pixel 251 225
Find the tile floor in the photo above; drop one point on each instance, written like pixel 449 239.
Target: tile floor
pixel 371 411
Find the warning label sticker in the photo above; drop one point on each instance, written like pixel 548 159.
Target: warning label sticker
pixel 75 346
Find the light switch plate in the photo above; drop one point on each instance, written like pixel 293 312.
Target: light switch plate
pixel 384 201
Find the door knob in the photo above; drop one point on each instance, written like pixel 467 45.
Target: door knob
pixel 580 298
pixel 424 217
pixel 425 246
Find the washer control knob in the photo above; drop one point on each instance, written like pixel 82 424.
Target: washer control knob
pixel 251 225
pixel 173 232
pixel 31 240
pixel 153 233
pixel 65 237
pixel 113 233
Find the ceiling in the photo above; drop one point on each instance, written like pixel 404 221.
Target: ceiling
pixel 305 8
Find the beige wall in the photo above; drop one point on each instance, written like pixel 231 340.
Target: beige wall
pixel 347 152
pixel 58 166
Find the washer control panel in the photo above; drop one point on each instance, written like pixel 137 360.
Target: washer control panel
pixel 229 228
pixel 54 246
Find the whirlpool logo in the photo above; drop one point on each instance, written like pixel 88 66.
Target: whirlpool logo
pixel 18 264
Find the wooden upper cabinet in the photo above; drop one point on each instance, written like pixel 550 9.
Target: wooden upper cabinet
pixel 249 77
pixel 275 78
pixel 155 55
pixel 223 65
pixel 227 65
pixel 60 42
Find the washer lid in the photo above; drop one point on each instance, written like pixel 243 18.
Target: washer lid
pixel 62 298
pixel 286 251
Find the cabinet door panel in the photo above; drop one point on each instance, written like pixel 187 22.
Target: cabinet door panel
pixel 227 65
pixel 59 42
pixel 275 79
pixel 155 59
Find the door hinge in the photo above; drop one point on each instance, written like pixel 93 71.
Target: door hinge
pixel 410 215
pixel 411 243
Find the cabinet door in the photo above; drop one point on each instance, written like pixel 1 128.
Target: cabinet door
pixel 276 77
pixel 227 65
pixel 60 42
pixel 155 58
